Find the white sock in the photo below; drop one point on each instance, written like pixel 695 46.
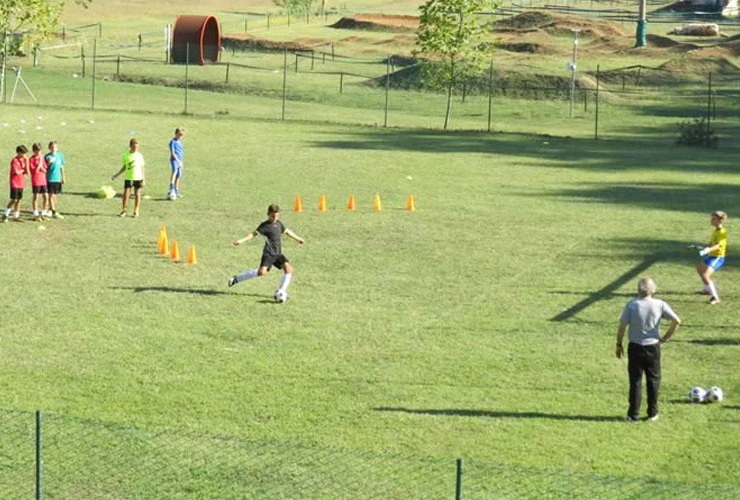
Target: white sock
pixel 252 273
pixel 7 212
pixel 17 215
pixel 35 213
pixel 285 282
pixel 713 290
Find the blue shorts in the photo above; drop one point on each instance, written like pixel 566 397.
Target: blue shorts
pixel 176 168
pixel 714 262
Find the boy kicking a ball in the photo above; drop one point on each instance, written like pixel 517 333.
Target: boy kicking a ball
pixel 273 230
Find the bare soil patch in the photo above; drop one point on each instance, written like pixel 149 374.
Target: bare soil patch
pixel 249 42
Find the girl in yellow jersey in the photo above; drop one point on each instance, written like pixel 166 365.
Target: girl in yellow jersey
pixel 714 256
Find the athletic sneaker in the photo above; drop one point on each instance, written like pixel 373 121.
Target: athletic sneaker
pixel 136 215
pixel 4 219
pixel 57 215
pixel 654 418
pixel 232 281
pixel 704 291
pixel 632 420
pixel 122 214
pixel 713 300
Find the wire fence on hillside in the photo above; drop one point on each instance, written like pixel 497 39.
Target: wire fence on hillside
pixel 55 456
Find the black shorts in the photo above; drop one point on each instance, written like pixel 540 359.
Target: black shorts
pixel 269 260
pixel 40 189
pixel 54 188
pixel 16 193
pixel 134 184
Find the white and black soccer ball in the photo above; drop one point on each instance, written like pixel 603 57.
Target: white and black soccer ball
pixel 697 395
pixel 715 395
pixel 172 195
pixel 280 296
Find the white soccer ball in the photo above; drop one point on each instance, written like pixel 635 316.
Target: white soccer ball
pixel 697 395
pixel 715 395
pixel 280 296
pixel 172 196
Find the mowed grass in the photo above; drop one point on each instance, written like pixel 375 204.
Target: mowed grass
pixel 479 327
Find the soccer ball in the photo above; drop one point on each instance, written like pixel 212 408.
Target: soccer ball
pixel 697 395
pixel 172 195
pixel 715 395
pixel 106 192
pixel 280 296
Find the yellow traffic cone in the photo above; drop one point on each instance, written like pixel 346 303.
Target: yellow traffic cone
pixel 297 205
pixel 322 203
pixel 376 203
pixel 192 259
pixel 165 248
pixel 351 203
pixel 175 250
pixel 410 205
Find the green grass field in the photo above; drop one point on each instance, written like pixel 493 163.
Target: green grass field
pixel 480 327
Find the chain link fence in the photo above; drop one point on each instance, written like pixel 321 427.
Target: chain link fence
pixel 69 458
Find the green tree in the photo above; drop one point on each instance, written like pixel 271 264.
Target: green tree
pixel 295 6
pixel 453 40
pixel 36 19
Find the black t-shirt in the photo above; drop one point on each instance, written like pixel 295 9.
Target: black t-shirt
pixel 273 233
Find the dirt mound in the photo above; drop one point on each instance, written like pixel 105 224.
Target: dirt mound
pixel 248 42
pixel 373 22
pixel 700 68
pixel 557 24
pixel 526 47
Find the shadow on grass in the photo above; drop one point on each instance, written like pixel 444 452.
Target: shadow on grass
pixel 609 290
pixel 499 414
pixel 713 342
pixel 170 289
pixel 584 154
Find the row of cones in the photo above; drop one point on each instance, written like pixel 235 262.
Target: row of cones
pixel 351 203
pixel 173 252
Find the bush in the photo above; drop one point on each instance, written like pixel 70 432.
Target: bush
pixel 696 132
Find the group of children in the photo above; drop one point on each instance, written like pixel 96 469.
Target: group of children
pixel 47 178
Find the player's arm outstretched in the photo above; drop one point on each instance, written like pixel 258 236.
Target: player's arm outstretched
pixel 290 234
pixel 248 237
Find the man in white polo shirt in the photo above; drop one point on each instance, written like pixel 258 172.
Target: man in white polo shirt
pixel 642 315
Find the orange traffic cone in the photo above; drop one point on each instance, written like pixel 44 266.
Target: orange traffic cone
pixel 175 250
pixel 376 203
pixel 161 239
pixel 322 203
pixel 164 248
pixel 351 203
pixel 192 259
pixel 410 205
pixel 297 205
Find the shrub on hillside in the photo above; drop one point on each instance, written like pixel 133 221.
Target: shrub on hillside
pixel 696 132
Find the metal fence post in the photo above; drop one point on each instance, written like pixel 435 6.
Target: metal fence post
pixel 118 67
pixel 387 87
pixel 596 103
pixel 187 66
pixel 228 65
pixel 459 480
pixel 285 78
pixel 82 59
pixel 341 82
pixel 95 52
pixel 490 93
pixel 39 457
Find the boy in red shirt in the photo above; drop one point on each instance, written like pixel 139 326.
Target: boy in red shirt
pixel 37 167
pixel 18 171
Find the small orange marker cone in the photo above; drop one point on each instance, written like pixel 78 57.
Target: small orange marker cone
pixel 322 203
pixel 175 250
pixel 351 203
pixel 160 240
pixel 298 205
pixel 376 203
pixel 410 205
pixel 164 249
pixel 192 259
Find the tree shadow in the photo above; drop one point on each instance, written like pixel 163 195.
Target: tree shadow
pixel 676 197
pixel 623 154
pixel 608 290
pixel 499 414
